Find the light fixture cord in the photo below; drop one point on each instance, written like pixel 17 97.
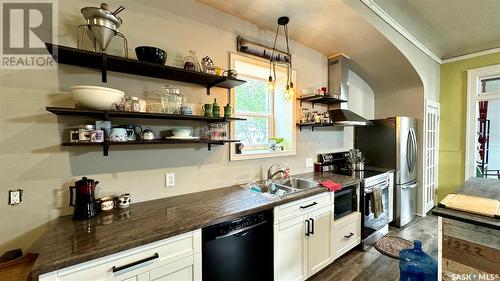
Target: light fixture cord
pixel 272 52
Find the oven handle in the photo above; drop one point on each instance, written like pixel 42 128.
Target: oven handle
pixel 383 186
pixel 244 229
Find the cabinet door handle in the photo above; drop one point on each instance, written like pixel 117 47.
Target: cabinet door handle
pixel 310 205
pixel 123 267
pixel 307 227
pixel 312 225
pixel 349 236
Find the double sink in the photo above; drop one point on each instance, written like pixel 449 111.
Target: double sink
pixel 284 187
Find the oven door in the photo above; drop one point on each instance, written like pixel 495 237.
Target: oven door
pixel 373 223
pixel 345 202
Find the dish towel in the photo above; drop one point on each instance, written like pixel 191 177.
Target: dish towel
pixel 332 186
pixel 376 198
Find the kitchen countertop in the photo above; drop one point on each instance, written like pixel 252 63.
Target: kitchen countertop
pixel 69 242
pixel 480 187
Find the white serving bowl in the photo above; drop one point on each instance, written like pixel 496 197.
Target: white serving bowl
pixel 182 132
pixel 94 97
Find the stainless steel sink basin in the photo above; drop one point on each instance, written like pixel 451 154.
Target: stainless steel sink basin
pixel 281 188
pixel 298 184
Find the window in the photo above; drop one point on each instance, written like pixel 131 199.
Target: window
pixel 483 123
pixel 270 127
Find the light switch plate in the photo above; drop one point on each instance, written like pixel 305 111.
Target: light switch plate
pixel 309 162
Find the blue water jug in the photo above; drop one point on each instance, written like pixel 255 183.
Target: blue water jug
pixel 415 265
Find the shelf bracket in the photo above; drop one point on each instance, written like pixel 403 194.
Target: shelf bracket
pixel 105 148
pixel 209 146
pixel 106 115
pixel 104 67
pixel 208 90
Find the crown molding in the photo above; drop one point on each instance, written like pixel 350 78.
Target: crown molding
pixel 472 55
pixel 398 28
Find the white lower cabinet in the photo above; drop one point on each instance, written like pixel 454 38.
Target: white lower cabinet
pixel 319 252
pixel 176 258
pixel 302 240
pixel 346 234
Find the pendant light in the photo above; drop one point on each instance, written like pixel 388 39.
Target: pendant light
pixel 290 91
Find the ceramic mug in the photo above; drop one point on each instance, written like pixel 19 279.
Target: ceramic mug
pixel 124 201
pixel 106 203
pixel 207 109
pixel 230 73
pixel 118 135
pixel 132 131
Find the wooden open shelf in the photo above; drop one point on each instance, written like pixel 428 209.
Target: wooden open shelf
pixel 106 144
pixel 104 63
pixel 107 114
pixel 320 99
pixel 315 125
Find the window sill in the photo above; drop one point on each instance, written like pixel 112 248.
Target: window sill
pixel 259 154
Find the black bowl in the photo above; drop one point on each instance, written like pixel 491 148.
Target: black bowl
pixel 151 54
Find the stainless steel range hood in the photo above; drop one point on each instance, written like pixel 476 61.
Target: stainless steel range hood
pixel 338 84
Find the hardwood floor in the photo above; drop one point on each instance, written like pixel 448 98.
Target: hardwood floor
pixel 374 266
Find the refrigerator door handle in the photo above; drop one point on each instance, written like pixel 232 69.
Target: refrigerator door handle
pixel 414 149
pixel 410 186
pixel 408 150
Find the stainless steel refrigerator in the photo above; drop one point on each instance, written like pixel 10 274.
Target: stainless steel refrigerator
pixel 392 143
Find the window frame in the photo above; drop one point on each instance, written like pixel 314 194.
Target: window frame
pixel 263 152
pixel 269 116
pixel 474 95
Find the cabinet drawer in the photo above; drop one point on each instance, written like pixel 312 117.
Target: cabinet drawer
pixel 300 207
pixel 346 234
pixel 147 257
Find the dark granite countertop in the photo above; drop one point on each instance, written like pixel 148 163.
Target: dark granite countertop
pixel 480 187
pixel 69 242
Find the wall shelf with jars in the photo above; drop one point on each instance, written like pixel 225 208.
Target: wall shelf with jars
pixel 311 118
pixel 98 135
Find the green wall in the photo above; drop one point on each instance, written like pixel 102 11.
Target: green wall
pixel 453 94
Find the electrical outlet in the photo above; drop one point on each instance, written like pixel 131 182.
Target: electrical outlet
pixel 169 179
pixel 15 196
pixel 309 162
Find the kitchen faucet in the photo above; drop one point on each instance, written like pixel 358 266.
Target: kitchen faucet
pixel 281 168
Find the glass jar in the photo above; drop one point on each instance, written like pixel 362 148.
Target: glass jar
pixel 153 101
pixel 215 131
pixel 172 100
pixel 132 104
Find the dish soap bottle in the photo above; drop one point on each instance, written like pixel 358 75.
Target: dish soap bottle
pixel 415 265
pixel 216 109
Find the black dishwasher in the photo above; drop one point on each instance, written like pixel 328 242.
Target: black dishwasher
pixel 240 249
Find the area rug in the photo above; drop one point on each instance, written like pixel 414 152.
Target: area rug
pixel 391 245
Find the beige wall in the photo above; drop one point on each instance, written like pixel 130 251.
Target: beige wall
pixel 32 159
pixel 410 101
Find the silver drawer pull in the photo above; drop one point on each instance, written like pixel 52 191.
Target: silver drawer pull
pixel 349 236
